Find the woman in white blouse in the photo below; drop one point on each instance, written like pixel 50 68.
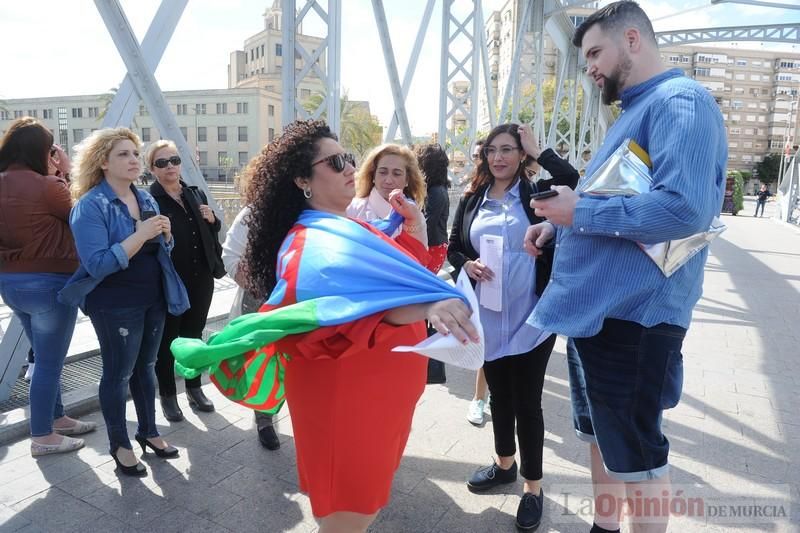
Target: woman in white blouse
pixel 386 168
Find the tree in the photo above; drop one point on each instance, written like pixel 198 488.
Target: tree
pixel 106 99
pixel 769 168
pixel 360 131
pixel 738 191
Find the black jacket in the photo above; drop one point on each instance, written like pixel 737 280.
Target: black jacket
pixel 193 197
pixel 460 249
pixel 437 207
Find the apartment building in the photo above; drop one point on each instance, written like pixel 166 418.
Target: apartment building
pixel 757 90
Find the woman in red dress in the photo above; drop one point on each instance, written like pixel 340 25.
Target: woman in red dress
pixel 350 398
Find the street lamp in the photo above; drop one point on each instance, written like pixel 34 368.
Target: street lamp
pixel 787 137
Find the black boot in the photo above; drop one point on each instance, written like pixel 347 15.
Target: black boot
pixel 169 404
pixel 198 400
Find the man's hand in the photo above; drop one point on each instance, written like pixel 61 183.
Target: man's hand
pixel 537 236
pixel 558 209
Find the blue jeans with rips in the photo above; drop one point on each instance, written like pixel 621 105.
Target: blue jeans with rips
pixel 129 339
pixel 48 325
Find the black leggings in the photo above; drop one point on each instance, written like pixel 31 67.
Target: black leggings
pixel 190 324
pixel 516 383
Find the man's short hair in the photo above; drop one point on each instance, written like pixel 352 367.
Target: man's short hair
pixel 616 17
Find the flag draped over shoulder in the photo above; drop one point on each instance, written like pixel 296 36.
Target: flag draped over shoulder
pixel 331 270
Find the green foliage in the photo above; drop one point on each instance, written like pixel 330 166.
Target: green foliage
pixel 768 168
pixel 738 190
pixel 360 131
pixel 746 175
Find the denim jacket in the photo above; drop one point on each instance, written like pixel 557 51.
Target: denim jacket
pixel 100 221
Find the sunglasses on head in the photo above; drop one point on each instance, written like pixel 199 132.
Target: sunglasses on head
pixel 337 161
pixel 162 163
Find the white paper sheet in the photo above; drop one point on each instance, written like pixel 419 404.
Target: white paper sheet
pixel 491 253
pixel 447 348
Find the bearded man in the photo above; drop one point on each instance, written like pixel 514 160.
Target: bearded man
pixel 627 319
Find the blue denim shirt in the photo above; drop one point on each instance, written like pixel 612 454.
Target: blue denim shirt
pixel 100 221
pixel 599 271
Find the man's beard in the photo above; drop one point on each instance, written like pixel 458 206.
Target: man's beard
pixel 613 83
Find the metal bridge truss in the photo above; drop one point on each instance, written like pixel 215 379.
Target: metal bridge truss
pixel 773 33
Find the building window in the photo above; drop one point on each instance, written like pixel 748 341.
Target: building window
pixel 222 133
pixel 142 111
pixel 200 109
pixel 262 50
pixel 271 136
pixel 242 133
pixel 673 59
pixel 737 104
pixel 702 72
pixel 242 159
pixel 241 108
pixel 222 159
pixel 146 135
pixel 278 49
pixel 77 135
pixel 222 109
pixel 271 110
pixel 685 59
pixel 201 134
pixel 735 131
pixel 184 133
pixel 741 62
pixel 19 114
pixel 305 94
pixel 77 112
pixel 93 112
pixel 202 159
pixel 5 115
pixel 47 113
pixel 181 109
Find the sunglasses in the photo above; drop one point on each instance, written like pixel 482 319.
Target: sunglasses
pixel 338 161
pixel 162 163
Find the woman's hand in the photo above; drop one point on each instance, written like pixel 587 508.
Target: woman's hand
pixel 478 271
pixel 154 226
pixel 451 316
pixel 58 164
pixel 410 212
pixel 529 141
pixel 207 213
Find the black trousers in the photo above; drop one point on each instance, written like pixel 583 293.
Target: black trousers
pixel 200 287
pixel 516 383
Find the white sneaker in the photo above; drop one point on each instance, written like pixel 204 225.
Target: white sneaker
pixel 29 372
pixel 475 412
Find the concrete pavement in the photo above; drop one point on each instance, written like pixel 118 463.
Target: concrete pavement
pixel 733 437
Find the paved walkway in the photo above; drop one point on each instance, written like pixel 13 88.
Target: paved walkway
pixel 734 437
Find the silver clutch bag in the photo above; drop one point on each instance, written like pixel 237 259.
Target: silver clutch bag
pixel 627 173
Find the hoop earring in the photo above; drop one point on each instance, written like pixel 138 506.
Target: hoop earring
pixel 307 193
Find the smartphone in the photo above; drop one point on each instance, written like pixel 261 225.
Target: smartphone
pixel 150 214
pixel 544 194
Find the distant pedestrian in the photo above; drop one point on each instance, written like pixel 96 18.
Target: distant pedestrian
pixel 763 194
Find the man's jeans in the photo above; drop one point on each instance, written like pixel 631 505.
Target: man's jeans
pixel 48 325
pixel 129 339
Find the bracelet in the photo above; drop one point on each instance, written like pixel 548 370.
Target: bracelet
pixel 411 228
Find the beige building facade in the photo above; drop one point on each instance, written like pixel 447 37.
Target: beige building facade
pixel 225 127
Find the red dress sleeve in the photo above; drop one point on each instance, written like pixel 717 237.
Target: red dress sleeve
pixel 335 342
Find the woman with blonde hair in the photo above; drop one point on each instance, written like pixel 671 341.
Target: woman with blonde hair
pixel 197 260
pixel 125 283
pixel 386 168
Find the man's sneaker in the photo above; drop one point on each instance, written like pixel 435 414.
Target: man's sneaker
pixel 529 512
pixel 475 412
pixel 491 476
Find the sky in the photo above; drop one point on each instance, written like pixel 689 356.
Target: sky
pixel 62 48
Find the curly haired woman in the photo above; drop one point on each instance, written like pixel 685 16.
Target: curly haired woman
pixel 349 433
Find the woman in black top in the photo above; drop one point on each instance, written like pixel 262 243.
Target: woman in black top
pixel 197 261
